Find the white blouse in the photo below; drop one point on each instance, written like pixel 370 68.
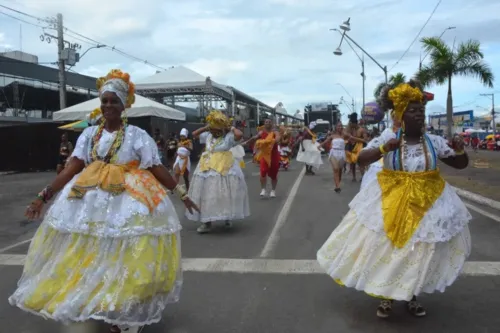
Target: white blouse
pixel 137 145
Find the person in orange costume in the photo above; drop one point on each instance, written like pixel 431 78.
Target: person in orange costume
pixel 268 156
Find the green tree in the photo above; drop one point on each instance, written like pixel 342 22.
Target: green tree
pixel 447 62
pixel 394 80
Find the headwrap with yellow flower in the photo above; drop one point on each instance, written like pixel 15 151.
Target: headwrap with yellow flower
pixel 118 83
pixel 218 120
pixel 402 96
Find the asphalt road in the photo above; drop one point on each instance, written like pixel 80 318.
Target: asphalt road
pixel 260 276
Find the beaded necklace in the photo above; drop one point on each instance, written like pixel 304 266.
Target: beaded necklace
pixel 214 142
pixel 400 156
pixel 111 155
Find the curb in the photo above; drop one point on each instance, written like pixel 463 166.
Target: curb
pixel 478 199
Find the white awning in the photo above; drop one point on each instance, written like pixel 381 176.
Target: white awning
pixel 143 107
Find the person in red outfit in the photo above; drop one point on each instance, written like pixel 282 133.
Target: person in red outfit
pixel 268 156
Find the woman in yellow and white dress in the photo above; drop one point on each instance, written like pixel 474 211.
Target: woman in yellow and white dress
pixel 108 248
pixel 407 232
pixel 310 150
pixel 218 184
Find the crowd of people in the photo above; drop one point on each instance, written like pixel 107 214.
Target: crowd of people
pixel 108 248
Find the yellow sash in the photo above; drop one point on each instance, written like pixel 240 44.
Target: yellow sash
pixel 220 161
pixel 265 148
pixel 143 185
pixel 406 198
pixel 313 136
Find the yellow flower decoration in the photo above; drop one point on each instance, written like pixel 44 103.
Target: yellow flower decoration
pixel 118 74
pixel 403 95
pixel 95 113
pixel 218 120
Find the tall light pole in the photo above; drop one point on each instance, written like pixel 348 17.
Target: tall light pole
pixel 361 58
pixel 493 125
pixel 352 98
pixel 345 27
pixel 426 54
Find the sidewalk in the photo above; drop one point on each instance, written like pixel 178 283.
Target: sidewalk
pixel 481 177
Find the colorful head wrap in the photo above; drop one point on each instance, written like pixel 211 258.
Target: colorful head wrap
pixel 116 82
pixel 119 83
pixel 218 120
pixel 402 96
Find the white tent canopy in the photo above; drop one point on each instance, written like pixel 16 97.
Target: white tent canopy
pixel 143 107
pixel 176 77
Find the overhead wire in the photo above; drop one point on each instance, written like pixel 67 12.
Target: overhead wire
pixel 418 35
pixel 74 34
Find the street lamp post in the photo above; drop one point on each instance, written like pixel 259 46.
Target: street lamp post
pixel 425 55
pixel 352 98
pixel 493 125
pixel 98 46
pixel 361 59
pixel 346 26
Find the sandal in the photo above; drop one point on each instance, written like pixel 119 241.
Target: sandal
pixel 384 309
pixel 416 309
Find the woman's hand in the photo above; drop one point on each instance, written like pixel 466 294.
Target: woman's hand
pixel 391 145
pixel 190 205
pixel 34 210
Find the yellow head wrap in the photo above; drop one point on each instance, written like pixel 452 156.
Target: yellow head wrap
pixel 218 120
pixel 403 95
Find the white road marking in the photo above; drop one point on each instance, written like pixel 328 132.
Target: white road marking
pixel 13 246
pixel 274 237
pixel 270 266
pixel 483 212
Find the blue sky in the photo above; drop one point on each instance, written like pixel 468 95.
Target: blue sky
pixel 275 50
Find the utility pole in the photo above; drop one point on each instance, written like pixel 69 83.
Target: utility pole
pixel 62 67
pixel 364 77
pixel 493 125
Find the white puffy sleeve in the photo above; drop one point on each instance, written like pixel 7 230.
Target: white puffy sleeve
pixel 83 145
pixel 145 147
pixel 230 141
pixel 203 137
pixel 441 146
pixel 385 136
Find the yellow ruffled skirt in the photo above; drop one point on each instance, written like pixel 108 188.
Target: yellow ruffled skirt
pixel 125 280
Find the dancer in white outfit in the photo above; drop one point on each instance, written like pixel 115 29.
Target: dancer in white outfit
pixel 337 153
pixel 108 248
pixel 218 185
pixel 407 231
pixel 310 150
pixel 182 164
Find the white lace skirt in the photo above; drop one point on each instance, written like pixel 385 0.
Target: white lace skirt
pixel 220 198
pixel 103 257
pixel 126 281
pixel 371 174
pixel 311 154
pixel 357 257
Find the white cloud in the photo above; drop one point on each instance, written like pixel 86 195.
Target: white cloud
pixel 275 50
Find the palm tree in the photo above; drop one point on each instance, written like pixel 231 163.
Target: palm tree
pixel 447 62
pixel 394 80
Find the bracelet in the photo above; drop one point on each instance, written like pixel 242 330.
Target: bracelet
pixel 382 150
pixel 180 190
pixel 46 194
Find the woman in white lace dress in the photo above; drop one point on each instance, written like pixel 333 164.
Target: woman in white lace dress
pixel 218 185
pixel 108 248
pixel 407 231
